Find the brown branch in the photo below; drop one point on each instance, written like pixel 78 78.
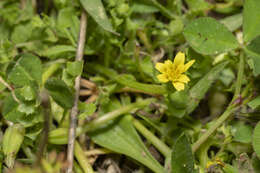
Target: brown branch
pixel 74 110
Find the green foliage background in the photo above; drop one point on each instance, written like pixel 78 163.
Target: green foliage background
pixel 211 126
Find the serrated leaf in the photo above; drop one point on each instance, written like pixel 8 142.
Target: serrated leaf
pixel 251 19
pixel 60 92
pixel 122 137
pixel 182 158
pixel 96 10
pixel 75 68
pixel 207 36
pixel 27 69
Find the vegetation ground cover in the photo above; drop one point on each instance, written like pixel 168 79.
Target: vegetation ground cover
pixel 130 86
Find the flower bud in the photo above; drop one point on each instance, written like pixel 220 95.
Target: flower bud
pixel 12 141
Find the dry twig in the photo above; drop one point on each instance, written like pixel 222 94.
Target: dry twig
pixel 74 110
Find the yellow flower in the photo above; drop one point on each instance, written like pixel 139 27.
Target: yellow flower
pixel 173 71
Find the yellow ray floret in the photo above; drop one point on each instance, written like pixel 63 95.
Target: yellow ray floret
pixel 173 71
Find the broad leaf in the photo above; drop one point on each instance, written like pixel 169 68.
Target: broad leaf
pixel 60 92
pixel 251 19
pixel 75 68
pixel 96 10
pixel 122 137
pixel 27 69
pixel 182 159
pixel 208 36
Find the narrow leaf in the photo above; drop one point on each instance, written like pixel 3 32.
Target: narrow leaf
pixel 198 91
pixel 122 137
pixel 60 92
pixel 96 10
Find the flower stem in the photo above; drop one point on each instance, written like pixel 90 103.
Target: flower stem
pixel 112 115
pixel 162 147
pixel 206 135
pixel 82 159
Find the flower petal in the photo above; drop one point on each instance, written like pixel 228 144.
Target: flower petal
pixel 183 78
pixel 187 65
pixel 178 85
pixel 168 63
pixel 162 78
pixel 179 59
pixel 160 67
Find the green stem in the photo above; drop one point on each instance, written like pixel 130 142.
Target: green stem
pixel 60 135
pixel 239 77
pixel 82 159
pixel 143 37
pixel 229 111
pixel 164 10
pixel 125 81
pixel 50 71
pixel 112 115
pixel 162 147
pixel 212 129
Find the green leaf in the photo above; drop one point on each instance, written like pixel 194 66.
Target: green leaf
pixel 251 19
pixel 26 108
pixel 86 109
pixel 242 132
pixel 57 50
pixel 122 137
pixel 254 103
pixel 233 22
pixel 21 33
pixel 10 111
pixel 60 92
pixel 182 159
pixel 96 10
pixel 253 51
pixel 139 7
pixel 28 93
pixel 256 139
pixel 75 68
pixel 198 91
pixel 27 69
pixel 198 5
pixel 207 36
